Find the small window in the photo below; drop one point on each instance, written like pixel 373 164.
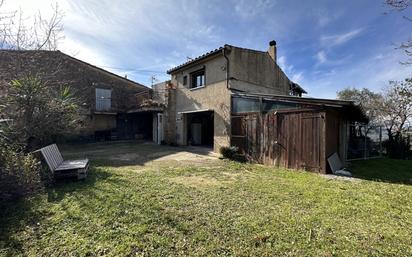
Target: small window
pixel 198 79
pixel 185 80
pixel 241 105
pixel 103 99
pixel 269 105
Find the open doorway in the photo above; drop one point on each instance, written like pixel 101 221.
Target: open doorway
pixel 135 126
pixel 200 128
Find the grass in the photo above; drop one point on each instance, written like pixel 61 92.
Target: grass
pixel 385 170
pixel 220 209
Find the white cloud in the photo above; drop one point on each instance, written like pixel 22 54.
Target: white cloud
pixel 292 73
pixel 321 57
pixel 297 77
pixel 131 34
pixel 249 9
pixel 371 72
pixel 338 39
pixel 324 17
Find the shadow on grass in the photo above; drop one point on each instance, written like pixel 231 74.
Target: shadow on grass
pixel 58 191
pixel 14 216
pixel 384 170
pixel 22 213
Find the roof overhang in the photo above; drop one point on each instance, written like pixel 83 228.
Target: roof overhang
pixel 195 111
pixel 296 86
pixel 197 59
pixel 348 109
pixel 105 113
pixel 146 109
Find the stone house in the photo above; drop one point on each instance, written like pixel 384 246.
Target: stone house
pixel 112 106
pixel 241 97
pixel 200 102
pixel 229 96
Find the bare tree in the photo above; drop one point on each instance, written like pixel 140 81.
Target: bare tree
pixel 399 4
pixel 402 5
pixel 43 34
pixel 391 108
pixel 396 108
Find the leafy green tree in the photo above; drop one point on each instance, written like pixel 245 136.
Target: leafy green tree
pixel 39 112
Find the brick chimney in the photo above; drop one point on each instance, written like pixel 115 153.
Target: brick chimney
pixel 272 49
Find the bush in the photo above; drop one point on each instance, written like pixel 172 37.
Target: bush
pixel 229 151
pixel 398 147
pixel 40 114
pixel 19 173
pixel 232 153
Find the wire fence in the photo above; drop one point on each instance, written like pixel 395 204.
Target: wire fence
pixel 366 142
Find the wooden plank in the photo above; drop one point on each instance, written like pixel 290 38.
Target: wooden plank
pixel 290 139
pixel 61 168
pixel 73 164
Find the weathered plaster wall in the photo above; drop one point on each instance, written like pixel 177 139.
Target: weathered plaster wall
pixel 256 72
pixel 213 96
pixel 103 122
pixel 249 71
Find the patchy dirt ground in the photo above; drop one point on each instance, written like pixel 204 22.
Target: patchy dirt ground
pixel 132 153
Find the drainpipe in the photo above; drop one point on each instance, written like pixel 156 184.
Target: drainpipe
pixel 227 67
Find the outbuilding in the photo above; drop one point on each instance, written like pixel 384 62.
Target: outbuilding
pixel 292 132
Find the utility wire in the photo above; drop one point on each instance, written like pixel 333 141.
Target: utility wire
pixel 136 70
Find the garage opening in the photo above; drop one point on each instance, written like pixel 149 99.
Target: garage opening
pixel 200 128
pixel 135 126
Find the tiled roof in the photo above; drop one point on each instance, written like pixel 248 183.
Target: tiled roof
pixel 217 50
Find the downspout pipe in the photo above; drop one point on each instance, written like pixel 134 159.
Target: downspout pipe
pixel 227 66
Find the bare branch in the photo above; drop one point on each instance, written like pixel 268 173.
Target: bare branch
pixel 42 34
pixel 402 5
pixel 399 5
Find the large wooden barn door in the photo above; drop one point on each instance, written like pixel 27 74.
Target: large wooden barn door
pixel 292 139
pixel 300 140
pixel 313 137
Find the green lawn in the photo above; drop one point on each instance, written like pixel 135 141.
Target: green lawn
pixel 220 208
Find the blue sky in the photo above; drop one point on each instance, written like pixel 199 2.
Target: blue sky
pixel 323 45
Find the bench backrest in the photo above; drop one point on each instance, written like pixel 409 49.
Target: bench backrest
pixel 52 156
pixel 335 162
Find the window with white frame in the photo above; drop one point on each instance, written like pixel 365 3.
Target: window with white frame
pixel 197 79
pixel 103 99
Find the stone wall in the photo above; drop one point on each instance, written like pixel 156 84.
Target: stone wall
pixel 59 70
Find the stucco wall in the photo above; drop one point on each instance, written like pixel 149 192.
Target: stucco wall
pixel 249 71
pixel 256 72
pixel 213 96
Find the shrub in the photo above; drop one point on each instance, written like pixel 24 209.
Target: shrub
pixel 19 173
pixel 40 114
pixel 229 151
pixel 232 153
pixel 398 147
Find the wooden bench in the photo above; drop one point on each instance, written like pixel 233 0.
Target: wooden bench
pixel 61 168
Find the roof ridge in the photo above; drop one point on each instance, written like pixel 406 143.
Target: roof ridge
pixel 103 70
pixel 207 54
pixel 78 60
